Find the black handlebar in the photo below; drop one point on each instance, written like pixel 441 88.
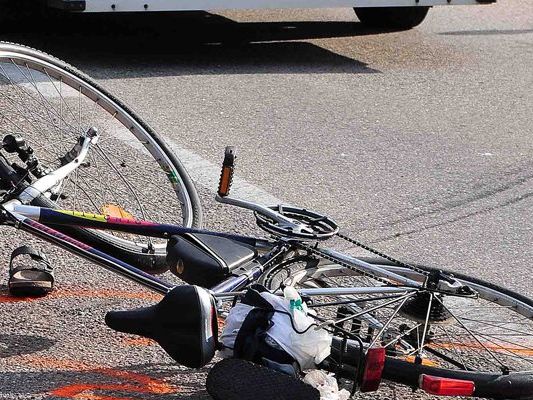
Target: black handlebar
pixel 9 178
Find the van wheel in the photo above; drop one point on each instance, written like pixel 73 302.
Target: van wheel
pixel 395 18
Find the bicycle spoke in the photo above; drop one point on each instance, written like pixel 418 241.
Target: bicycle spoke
pixel 60 93
pixel 396 311
pixel 473 336
pixel 462 361
pixel 42 103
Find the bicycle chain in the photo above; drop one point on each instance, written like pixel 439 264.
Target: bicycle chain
pixel 382 255
pixel 315 250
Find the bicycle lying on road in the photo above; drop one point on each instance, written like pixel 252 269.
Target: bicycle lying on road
pixel 68 144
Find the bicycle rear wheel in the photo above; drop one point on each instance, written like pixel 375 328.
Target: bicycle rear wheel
pixel 130 172
pixel 487 340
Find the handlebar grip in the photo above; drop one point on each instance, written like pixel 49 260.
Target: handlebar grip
pixel 226 175
pixel 8 175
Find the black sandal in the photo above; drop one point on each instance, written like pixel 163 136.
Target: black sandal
pixel 30 273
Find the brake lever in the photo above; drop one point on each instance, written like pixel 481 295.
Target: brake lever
pixel 54 178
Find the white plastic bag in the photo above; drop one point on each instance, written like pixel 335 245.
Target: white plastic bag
pixel 295 332
pixel 292 329
pixel 326 384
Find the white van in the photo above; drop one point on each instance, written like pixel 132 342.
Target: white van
pixel 383 14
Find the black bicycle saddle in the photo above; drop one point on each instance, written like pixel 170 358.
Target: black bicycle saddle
pixel 184 324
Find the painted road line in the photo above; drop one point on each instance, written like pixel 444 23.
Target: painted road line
pixel 207 174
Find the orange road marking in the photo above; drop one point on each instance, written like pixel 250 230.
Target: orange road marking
pixel 123 381
pixel 493 347
pixel 79 391
pixel 138 341
pixel 221 322
pixel 66 292
pixel 425 361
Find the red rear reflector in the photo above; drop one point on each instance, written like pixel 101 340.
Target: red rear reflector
pixel 374 363
pixel 445 386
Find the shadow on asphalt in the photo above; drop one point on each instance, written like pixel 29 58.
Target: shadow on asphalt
pixel 489 32
pixel 191 44
pixel 16 345
pixel 73 380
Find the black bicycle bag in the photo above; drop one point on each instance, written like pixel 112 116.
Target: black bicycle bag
pixel 206 260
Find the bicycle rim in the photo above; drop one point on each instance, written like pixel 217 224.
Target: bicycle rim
pixel 129 173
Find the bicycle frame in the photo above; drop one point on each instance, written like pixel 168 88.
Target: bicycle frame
pixel 37 221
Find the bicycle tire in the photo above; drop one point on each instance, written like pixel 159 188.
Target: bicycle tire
pixel 517 385
pixel 255 382
pixel 391 18
pixel 130 253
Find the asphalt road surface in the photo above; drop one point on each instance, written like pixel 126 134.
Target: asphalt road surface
pixel 419 142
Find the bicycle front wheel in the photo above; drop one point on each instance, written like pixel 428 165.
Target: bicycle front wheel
pixel 487 339
pixel 130 171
